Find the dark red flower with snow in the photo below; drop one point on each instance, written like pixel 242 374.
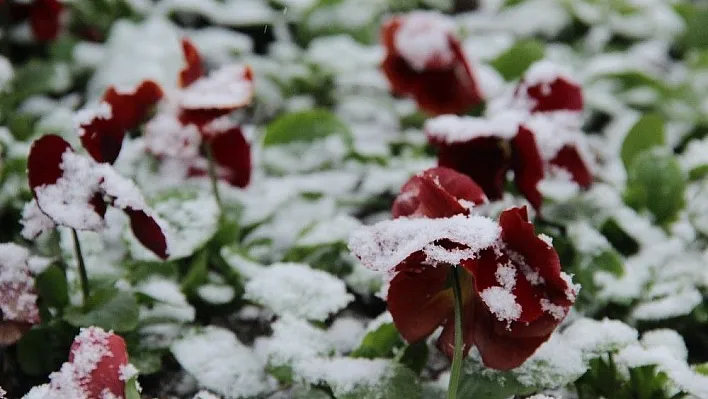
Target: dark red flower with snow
pixel 198 116
pixel 486 149
pixel 18 295
pixel 425 60
pixel 436 193
pixel 102 131
pixel 514 294
pixel 44 17
pixel 73 190
pixel 97 368
pixel 545 87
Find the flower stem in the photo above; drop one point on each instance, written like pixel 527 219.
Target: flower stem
pixel 83 276
pixel 457 354
pixel 213 178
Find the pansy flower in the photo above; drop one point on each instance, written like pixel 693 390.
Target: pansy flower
pixel 73 190
pixel 485 149
pixel 18 295
pixel 513 292
pixel 546 87
pixel 197 115
pixel 97 368
pixel 425 60
pixel 44 16
pixel 102 130
pixel 437 192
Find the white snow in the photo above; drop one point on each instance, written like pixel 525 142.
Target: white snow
pixel 343 374
pixel 502 303
pixel 229 87
pixel 423 38
pixel 452 129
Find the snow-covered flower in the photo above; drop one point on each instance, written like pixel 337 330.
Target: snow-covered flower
pixel 425 60
pixel 44 16
pixel 74 191
pixel 18 296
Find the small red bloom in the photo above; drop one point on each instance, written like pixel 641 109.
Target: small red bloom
pixel 18 296
pixel 98 367
pixel 437 192
pixel 103 134
pixel 546 88
pixel 424 60
pixel 44 18
pixel 73 191
pixel 194 68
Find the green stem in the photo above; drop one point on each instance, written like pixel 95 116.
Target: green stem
pixel 457 354
pixel 83 276
pixel 214 179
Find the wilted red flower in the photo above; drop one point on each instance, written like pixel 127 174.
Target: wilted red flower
pixel 102 132
pixel 199 115
pixel 486 149
pixel 97 368
pixel 437 192
pixel 73 191
pixel 513 292
pixel 44 17
pixel 425 60
pixel 18 296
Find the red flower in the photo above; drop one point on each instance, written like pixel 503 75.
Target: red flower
pixel 98 367
pixel 200 116
pixel 74 191
pixel 424 59
pixel 44 17
pixel 513 292
pixel 546 88
pixel 437 192
pixel 103 134
pixel 486 149
pixel 18 296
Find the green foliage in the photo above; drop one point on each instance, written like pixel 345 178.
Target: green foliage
pixel 513 62
pixel 379 343
pixel 647 133
pixel 325 18
pixel 401 384
pixel 656 183
pixel 329 257
pixel 108 308
pixel 620 240
pixel 305 126
pixel 52 287
pixel 44 348
pixel 415 356
pixel 131 389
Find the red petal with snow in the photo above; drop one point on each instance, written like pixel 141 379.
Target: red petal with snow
pixel 528 166
pixel 44 160
pixel 485 160
pixel 560 95
pixel 232 154
pixel 45 19
pixel 435 193
pixel 194 68
pixel 201 117
pixel 418 298
pixel 569 159
pixel 106 375
pixel 148 232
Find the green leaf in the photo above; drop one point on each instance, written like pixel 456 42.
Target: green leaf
pixel 44 348
pixel 308 392
pixel 147 361
pixel 620 240
pixel 305 126
pixel 401 384
pixel 610 261
pixel 197 273
pixel 131 388
pixel 656 183
pixel 513 62
pixel 328 17
pixel 415 356
pixel 481 386
pixel 701 368
pixel 698 173
pixel 52 287
pixel 379 343
pixel 648 132
pixel 109 309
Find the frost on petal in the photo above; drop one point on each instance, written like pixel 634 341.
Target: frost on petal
pixel 228 88
pixel 291 288
pixel 34 221
pixel 18 296
pixel 221 363
pixel 423 40
pixel 546 87
pixel 166 136
pixel 194 69
pixel 386 244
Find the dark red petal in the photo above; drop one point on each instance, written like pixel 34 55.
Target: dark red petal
pixel 519 236
pixel 432 200
pixel 563 95
pixel 232 153
pixel 44 160
pixel 148 232
pixel 419 299
pixel 458 185
pixel 102 139
pixel 448 91
pixel 12 331
pixel 446 341
pixel 499 350
pixel 194 68
pixel 44 18
pixel 569 159
pixel 107 374
pixel 485 160
pixel 129 109
pixel 529 297
pixel 528 166
pixel 401 77
pixel 483 268
pixel 201 117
